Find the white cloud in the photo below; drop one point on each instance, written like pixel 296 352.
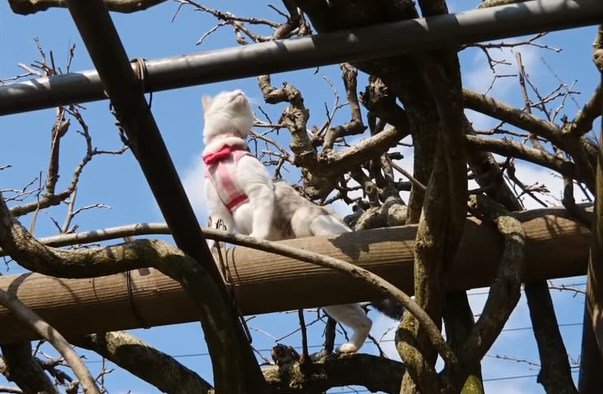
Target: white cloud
pixel 194 185
pixel 478 76
pixel 480 121
pixel 530 174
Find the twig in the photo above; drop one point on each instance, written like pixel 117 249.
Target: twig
pixel 25 7
pixel 408 175
pixel 329 334
pixel 302 326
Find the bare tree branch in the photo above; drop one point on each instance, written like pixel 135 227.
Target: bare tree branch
pixel 14 390
pixel 495 3
pixel 355 125
pixel 295 117
pixel 499 110
pixel 26 7
pixel 142 360
pixel 587 115
pixel 208 298
pixel 22 368
pixel 505 290
pixel 511 148
pixel 374 373
pixel 555 372
pixel 52 336
pixel 581 149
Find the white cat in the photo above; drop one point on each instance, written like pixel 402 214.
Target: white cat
pixel 240 192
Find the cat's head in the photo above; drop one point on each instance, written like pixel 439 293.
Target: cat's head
pixel 227 113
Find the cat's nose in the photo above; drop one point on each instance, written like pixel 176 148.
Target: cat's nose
pixel 240 96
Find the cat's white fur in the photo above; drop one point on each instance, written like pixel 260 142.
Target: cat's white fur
pixel 274 210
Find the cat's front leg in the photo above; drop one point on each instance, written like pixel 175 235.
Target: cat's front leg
pixel 257 183
pixel 263 211
pixel 221 217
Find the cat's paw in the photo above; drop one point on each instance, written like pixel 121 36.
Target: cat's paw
pixel 259 235
pixel 348 348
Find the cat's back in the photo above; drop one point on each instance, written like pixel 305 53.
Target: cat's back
pixel 297 217
pixel 290 201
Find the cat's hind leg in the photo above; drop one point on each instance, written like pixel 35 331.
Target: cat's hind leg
pixel 328 225
pixel 354 317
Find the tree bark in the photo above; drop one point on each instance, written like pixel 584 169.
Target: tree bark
pixel 22 369
pixel 149 364
pixel 555 373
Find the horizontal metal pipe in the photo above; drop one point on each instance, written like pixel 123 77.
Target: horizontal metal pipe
pixel 409 36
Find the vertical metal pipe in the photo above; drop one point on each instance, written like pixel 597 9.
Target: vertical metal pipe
pixel 218 315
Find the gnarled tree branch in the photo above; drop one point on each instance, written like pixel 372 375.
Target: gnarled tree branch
pixel 505 291
pixel 328 371
pixel 22 368
pixel 223 342
pixel 142 360
pixel 52 336
pixel 555 372
pixel 26 7
pixel 510 148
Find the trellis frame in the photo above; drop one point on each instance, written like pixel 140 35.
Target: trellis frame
pixel 367 43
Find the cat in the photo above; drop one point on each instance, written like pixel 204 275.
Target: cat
pixel 240 192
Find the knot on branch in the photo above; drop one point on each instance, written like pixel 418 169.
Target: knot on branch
pixel 283 355
pixel 598 58
pixel 392 213
pixel 317 186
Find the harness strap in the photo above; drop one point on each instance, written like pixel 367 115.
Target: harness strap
pixel 221 167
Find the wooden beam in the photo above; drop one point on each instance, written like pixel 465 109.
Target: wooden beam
pixel 557 246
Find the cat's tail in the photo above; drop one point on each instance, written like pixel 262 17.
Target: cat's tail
pixel 389 307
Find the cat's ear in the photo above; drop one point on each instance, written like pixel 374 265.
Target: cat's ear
pixel 206 102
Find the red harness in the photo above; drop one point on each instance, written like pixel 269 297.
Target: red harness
pixel 220 170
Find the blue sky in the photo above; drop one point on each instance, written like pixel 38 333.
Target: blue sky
pixel 118 182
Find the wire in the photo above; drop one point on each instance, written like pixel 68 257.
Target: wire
pixel 485 292
pixel 511 377
pixel 530 327
pixel 205 354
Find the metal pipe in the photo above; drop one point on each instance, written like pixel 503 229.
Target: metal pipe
pixel 409 36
